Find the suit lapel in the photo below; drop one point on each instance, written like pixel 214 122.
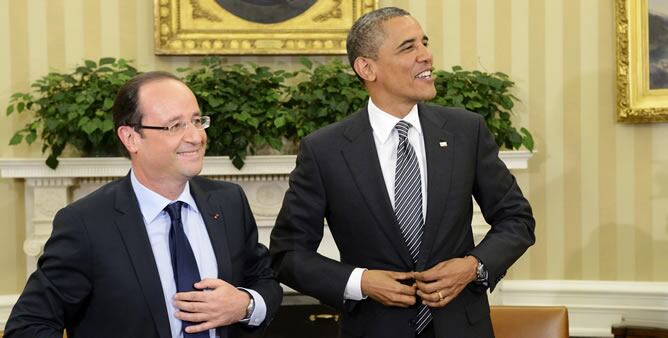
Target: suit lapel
pixel 362 160
pixel 133 231
pixel 213 215
pixel 440 161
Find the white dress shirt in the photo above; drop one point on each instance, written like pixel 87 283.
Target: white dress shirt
pixel 157 222
pixel 386 138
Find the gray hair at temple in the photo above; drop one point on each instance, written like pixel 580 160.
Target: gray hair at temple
pixel 365 36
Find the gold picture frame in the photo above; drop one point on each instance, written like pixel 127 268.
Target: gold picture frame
pixel 196 27
pixel 637 101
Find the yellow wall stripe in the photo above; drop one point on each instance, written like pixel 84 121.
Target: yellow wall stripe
pixel 485 46
pixel 589 132
pixel 571 140
pixel 643 204
pixel 451 35
pixel 468 33
pixel 537 85
pixel 554 143
pixel 56 37
pixel 110 27
pixel 92 30
pixel 502 34
pixel 74 33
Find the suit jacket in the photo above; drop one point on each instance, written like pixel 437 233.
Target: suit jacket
pixel 338 178
pixel 98 278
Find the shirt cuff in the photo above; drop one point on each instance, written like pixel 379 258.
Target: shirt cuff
pixel 260 310
pixel 354 286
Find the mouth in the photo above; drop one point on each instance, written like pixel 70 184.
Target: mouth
pixel 188 154
pixel 425 75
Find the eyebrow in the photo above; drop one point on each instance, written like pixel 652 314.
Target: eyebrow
pixel 411 41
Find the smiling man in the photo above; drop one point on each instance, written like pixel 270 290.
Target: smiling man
pixel 161 252
pixel 394 182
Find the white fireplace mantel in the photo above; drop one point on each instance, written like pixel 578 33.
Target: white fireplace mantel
pixel 263 178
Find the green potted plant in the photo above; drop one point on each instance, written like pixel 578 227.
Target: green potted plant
pixel 73 109
pixel 250 106
pixel 487 94
pixel 245 103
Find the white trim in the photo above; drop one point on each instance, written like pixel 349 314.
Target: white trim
pixel 593 306
pixel 6 304
pixel 213 165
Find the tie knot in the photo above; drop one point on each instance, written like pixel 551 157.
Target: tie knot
pixel 174 210
pixel 402 128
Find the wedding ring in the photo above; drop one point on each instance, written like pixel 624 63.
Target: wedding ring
pixel 440 296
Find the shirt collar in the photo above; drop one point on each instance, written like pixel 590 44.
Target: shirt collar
pixel 152 204
pixel 383 123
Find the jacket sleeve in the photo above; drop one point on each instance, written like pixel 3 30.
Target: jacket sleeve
pixel 504 207
pixel 298 232
pixel 60 286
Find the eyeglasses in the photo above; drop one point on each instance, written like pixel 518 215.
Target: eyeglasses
pixel 178 127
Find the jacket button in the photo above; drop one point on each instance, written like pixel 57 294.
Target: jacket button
pixel 412 322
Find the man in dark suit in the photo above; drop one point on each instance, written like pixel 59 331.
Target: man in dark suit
pixel 132 258
pixel 394 182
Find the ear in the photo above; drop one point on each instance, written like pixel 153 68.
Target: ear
pixel 129 137
pixel 365 68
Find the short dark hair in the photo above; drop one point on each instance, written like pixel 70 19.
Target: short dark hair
pixel 365 36
pixel 126 105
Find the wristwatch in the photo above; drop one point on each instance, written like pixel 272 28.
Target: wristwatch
pixel 480 272
pixel 250 308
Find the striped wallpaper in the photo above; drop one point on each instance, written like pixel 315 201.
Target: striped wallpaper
pixel 599 188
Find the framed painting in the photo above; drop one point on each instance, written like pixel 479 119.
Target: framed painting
pixel 642 60
pixel 241 27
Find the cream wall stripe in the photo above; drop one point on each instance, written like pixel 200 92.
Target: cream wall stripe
pixel 92 29
pixel 56 35
pixel 515 15
pixel 5 67
pixel 643 203
pixel 554 146
pixel 467 42
pixel 571 139
pixel 537 191
pixel 502 36
pixel 433 27
pixel 418 10
pixel 485 45
pixel 607 140
pixel 19 63
pixel 589 121
pixel 660 195
pixel 146 60
pixel 451 34
pixel 37 45
pixel 625 145
pixel 110 31
pixel 74 33
pixel 128 29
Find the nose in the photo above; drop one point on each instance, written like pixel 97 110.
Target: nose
pixel 194 135
pixel 424 55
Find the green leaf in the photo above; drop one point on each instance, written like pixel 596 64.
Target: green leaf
pixel 16 139
pixel 31 137
pixel 90 64
pixel 52 161
pixel 107 61
pixel 20 106
pixel 10 109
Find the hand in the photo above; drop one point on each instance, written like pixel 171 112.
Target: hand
pixel 443 282
pixel 221 305
pixel 385 288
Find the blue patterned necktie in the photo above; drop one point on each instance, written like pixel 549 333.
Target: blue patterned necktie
pixel 408 205
pixel 184 264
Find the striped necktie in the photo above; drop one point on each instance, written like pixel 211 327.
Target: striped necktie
pixel 408 205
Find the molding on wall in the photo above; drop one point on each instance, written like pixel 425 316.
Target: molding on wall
pixel 213 166
pixel 593 306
